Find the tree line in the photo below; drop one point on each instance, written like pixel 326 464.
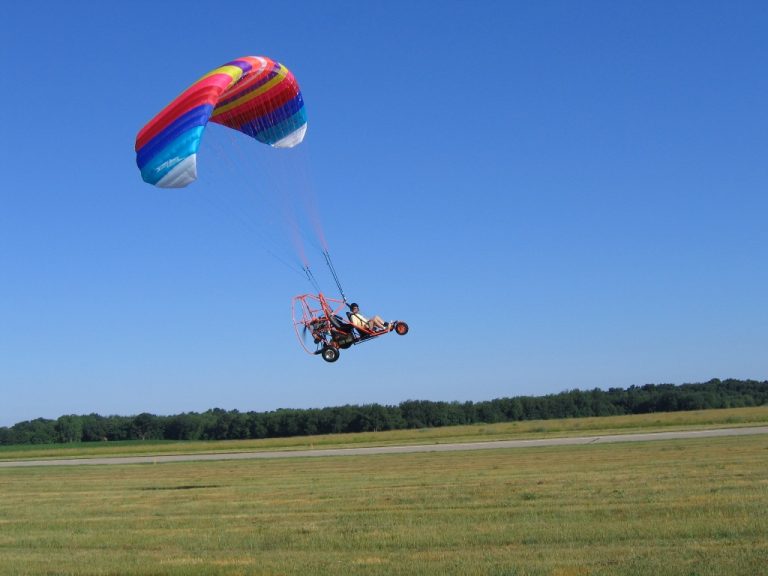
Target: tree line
pixel 219 424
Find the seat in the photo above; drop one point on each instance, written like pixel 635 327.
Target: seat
pixel 361 334
pixel 338 323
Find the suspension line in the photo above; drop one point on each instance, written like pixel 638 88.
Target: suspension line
pixel 311 278
pixel 333 273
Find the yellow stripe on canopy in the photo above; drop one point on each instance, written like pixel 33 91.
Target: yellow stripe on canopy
pixel 279 77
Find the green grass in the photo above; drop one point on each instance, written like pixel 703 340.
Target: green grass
pixel 683 507
pixel 479 432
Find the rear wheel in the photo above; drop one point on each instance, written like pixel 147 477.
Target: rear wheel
pixel 330 354
pixel 401 328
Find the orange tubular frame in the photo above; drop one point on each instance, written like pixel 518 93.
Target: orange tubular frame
pixel 312 314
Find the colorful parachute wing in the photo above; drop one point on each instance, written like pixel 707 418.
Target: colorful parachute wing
pixel 253 94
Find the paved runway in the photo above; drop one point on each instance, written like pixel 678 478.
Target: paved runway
pixel 576 441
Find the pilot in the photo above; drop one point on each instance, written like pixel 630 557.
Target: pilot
pixel 375 324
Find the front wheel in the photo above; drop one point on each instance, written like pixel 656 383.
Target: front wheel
pixel 330 354
pixel 401 328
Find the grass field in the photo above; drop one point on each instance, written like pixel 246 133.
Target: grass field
pixel 683 507
pixel 450 434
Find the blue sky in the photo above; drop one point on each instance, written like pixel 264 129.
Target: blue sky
pixel 553 194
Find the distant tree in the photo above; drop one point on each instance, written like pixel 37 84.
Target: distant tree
pixel 146 426
pixel 118 427
pixel 370 418
pixel 69 429
pixel 418 413
pixel 335 420
pixel 256 425
pixel 188 426
pixel 7 437
pixel 94 428
pixel 38 431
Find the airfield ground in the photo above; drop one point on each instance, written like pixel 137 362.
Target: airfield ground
pixel 686 506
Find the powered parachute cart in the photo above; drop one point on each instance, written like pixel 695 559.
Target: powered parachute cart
pixel 320 318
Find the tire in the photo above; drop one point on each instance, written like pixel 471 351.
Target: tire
pixel 401 328
pixel 330 354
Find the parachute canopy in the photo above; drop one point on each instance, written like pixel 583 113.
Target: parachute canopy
pixel 253 94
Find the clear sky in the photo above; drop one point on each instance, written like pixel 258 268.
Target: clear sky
pixel 553 194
